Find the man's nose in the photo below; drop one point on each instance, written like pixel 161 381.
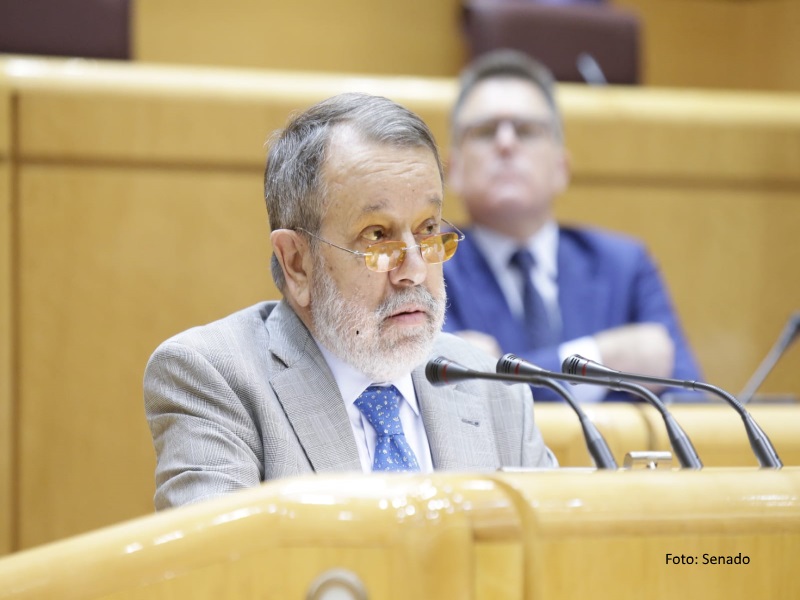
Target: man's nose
pixel 505 135
pixel 413 270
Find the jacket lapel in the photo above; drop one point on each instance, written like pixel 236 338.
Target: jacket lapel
pixel 310 397
pixel 582 295
pixel 490 305
pixel 457 426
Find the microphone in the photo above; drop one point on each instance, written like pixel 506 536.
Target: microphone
pixel 442 371
pixel 590 69
pixel 785 340
pixel 681 445
pixel 759 442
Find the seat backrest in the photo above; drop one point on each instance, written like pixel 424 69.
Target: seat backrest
pixel 81 28
pixel 557 33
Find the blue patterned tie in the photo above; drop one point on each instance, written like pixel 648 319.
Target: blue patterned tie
pixel 537 319
pixel 381 407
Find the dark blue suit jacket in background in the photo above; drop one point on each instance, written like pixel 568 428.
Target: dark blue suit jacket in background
pixel 605 280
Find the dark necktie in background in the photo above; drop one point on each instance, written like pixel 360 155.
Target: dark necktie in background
pixel 381 407
pixel 541 333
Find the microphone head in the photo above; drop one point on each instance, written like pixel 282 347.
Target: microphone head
pixel 511 364
pixel 573 365
pixel 578 365
pixel 443 371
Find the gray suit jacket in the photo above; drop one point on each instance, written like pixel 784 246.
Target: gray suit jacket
pixel 250 398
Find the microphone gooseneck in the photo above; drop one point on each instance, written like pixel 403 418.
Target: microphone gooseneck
pixel 681 445
pixel 442 371
pixel 759 442
pixel 788 335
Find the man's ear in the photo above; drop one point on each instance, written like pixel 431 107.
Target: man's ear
pixel 293 254
pixel 564 171
pixel 453 171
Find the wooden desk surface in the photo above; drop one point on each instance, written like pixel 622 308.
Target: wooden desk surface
pixel 533 535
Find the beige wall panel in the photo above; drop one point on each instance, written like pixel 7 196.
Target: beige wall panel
pixel 414 37
pixel 111 111
pixel 7 430
pixel 726 254
pixel 112 262
pixel 123 111
pixel 751 44
pixel 6 330
pixel 708 138
pixel 685 43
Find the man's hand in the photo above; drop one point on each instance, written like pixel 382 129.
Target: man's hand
pixel 643 348
pixel 484 341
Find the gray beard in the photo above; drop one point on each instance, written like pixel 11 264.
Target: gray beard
pixel 355 334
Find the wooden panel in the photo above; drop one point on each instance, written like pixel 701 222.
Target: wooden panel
pixel 744 44
pixel 416 536
pixel 718 434
pixel 112 262
pixel 622 425
pixel 404 537
pixel 111 111
pixel 706 139
pixel 413 37
pixel 7 430
pixel 685 43
pixel 610 534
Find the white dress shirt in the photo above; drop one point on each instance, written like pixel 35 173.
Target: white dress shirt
pixel 351 384
pixel 497 249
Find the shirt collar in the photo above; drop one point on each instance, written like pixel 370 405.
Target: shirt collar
pixel 498 248
pixel 352 382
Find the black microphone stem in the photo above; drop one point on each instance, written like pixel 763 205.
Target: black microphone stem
pixel 684 450
pixel 681 445
pixel 442 371
pixel 763 449
pixel 789 333
pixel 595 443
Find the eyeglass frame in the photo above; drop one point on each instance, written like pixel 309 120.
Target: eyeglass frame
pixel 546 127
pixel 365 255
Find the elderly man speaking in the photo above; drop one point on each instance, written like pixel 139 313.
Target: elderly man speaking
pixel 331 377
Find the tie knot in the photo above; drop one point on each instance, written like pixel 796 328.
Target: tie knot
pixel 380 405
pixel 523 260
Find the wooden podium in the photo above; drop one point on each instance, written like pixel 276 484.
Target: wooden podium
pixel 568 533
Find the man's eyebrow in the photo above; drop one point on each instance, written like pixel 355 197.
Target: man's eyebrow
pixel 376 206
pixel 379 205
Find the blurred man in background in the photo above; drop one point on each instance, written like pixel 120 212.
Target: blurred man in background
pixel 523 283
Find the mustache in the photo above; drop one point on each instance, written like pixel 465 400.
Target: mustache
pixel 417 296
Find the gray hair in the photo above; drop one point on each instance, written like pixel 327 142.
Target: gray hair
pixel 506 63
pixel 294 188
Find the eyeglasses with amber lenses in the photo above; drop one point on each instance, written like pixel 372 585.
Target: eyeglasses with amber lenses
pixel 387 256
